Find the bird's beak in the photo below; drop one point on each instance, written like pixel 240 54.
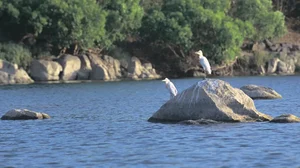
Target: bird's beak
pixel 163 80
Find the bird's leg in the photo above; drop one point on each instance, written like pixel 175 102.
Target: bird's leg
pixel 204 77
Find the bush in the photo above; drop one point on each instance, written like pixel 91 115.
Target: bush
pixel 267 22
pixel 218 28
pixel 193 25
pixel 16 54
pixel 58 22
pixel 261 57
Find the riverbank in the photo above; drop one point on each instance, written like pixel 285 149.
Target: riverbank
pixel 137 62
pixel 264 58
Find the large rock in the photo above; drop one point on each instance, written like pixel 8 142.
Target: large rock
pixel 23 114
pixel 10 74
pixel 282 67
pixel 286 118
pixel 99 69
pixel 85 69
pixel 137 70
pixel 198 122
pixel 44 70
pixel 211 99
pixel 71 66
pixel 272 65
pixel 148 72
pixel 286 67
pixel 260 92
pixel 113 67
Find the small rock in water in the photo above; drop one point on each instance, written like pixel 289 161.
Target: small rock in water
pixel 260 92
pixel 24 114
pixel 198 122
pixel 286 118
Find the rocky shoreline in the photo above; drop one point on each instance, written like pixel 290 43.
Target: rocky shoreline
pixel 77 68
pixel 285 60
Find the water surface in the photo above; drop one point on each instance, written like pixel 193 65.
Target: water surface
pixel 104 124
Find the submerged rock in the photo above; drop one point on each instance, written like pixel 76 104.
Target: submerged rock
pixel 210 99
pixel 260 92
pixel 23 114
pixel 198 122
pixel 286 118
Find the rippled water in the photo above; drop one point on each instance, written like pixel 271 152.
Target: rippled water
pixel 105 124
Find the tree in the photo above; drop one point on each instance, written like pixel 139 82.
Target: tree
pixel 16 54
pixel 217 27
pixel 123 19
pixel 58 22
pixel 184 25
pixel 267 23
pixel 290 8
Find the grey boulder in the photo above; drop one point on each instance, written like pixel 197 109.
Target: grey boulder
pixel 198 122
pixel 210 99
pixel 11 74
pixel 260 92
pixel 44 70
pixel 23 114
pixel 286 118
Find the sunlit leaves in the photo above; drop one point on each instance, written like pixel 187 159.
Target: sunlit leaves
pixel 259 13
pixel 124 17
pixel 218 27
pixel 196 25
pixel 59 22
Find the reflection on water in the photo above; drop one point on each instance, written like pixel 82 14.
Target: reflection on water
pixel 104 124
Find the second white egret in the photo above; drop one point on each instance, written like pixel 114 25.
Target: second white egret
pixel 171 87
pixel 204 62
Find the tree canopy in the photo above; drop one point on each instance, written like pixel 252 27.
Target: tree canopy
pixel 59 22
pixel 218 27
pixel 65 22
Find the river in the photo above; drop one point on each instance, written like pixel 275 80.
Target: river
pixel 104 124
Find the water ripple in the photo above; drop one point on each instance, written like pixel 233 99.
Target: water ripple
pixel 105 125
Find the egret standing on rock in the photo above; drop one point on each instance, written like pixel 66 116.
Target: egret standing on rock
pixel 170 86
pixel 204 62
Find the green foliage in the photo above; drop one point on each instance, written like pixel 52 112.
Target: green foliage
pixel 186 23
pixel 123 19
pixel 59 22
pixel 261 57
pixel 267 23
pixel 217 27
pixel 151 4
pixel 15 53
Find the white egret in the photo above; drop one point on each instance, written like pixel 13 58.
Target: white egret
pixel 171 87
pixel 204 62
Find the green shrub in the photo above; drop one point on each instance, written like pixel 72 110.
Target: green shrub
pixel 16 54
pixel 261 57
